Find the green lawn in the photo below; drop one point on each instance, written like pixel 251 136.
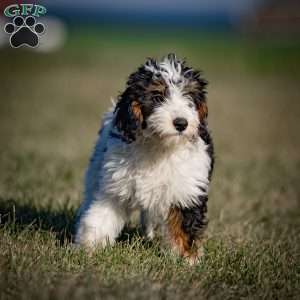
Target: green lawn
pixel 50 109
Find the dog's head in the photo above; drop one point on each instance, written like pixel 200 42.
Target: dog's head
pixel 163 100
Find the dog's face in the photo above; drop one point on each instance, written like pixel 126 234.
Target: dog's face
pixel 163 101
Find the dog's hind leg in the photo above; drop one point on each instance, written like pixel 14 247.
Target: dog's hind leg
pixel 100 224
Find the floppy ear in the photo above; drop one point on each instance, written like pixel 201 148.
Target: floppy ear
pixel 128 115
pixel 202 111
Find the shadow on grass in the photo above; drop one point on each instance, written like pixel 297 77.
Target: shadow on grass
pixel 61 221
pixel 19 216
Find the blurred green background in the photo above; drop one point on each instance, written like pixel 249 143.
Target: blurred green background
pixel 55 100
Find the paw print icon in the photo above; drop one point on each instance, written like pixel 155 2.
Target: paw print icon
pixel 24 31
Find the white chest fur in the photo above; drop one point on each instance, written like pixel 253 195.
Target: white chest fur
pixel 155 180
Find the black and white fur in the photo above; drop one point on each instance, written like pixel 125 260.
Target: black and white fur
pixel 154 153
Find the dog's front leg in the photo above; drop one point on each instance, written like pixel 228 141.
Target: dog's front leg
pixel 101 223
pixel 185 228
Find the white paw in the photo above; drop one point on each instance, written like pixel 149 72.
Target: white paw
pixel 92 237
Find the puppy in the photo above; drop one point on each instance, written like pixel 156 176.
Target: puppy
pixel 153 153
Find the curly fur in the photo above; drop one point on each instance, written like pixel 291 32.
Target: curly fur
pixel 144 159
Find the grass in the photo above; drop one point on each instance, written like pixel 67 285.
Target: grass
pixel 49 116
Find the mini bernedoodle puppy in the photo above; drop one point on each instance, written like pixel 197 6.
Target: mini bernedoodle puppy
pixel 153 153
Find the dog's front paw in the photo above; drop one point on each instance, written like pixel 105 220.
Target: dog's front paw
pixel 193 258
pixel 91 239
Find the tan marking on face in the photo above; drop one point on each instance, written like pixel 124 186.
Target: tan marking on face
pixel 136 110
pixel 202 111
pixel 192 88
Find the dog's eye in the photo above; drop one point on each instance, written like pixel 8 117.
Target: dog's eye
pixel 158 98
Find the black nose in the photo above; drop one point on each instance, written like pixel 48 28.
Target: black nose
pixel 180 124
